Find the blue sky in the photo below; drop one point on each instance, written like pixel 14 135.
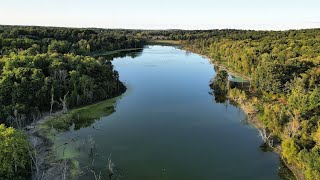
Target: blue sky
pixel 164 14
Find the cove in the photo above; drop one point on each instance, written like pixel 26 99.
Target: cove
pixel 169 126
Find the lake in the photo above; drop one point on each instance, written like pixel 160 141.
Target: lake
pixel 168 126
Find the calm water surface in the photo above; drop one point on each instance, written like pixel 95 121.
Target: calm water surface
pixel 168 126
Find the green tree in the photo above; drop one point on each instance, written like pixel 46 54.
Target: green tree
pixel 220 86
pixel 14 153
pixel 290 150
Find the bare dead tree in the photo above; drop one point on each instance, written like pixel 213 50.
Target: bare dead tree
pixel 65 168
pixel 17 120
pixel 35 159
pixel 52 102
pixel 110 167
pixel 92 153
pixel 36 116
pixel 61 75
pixel 64 103
pixel 265 138
pixel 96 176
pixel 91 144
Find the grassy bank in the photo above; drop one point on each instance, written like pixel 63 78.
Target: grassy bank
pixel 164 42
pixel 80 117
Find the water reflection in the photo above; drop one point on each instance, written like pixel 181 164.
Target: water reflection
pixel 220 86
pixel 122 54
pixel 219 89
pixel 86 118
pixel 167 126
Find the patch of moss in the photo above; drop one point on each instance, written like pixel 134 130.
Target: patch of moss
pixel 80 117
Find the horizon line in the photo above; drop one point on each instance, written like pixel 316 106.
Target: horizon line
pixel 159 29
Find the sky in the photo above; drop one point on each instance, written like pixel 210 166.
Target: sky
pixel 164 14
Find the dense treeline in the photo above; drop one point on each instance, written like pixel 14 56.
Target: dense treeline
pixel 284 69
pixel 65 40
pixel 44 69
pixel 29 84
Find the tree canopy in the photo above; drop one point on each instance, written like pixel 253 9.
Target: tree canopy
pixel 284 70
pixel 44 68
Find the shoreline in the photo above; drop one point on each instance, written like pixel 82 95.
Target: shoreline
pixel 106 53
pixel 54 169
pixel 42 145
pixel 253 117
pixel 164 42
pixel 42 134
pixel 253 120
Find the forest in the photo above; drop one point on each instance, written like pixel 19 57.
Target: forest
pixel 284 72
pixel 47 69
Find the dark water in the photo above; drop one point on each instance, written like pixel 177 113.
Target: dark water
pixel 168 126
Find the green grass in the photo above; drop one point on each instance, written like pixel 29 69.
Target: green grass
pixel 164 42
pixel 238 79
pixel 80 117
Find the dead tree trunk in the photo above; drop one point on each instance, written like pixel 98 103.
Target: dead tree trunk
pixel 35 156
pixel 265 138
pixel 51 103
pixel 110 167
pixel 64 103
pixel 61 75
pixel 17 120
pixel 65 168
pixel 96 176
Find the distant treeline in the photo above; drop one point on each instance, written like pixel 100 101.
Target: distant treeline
pixel 284 69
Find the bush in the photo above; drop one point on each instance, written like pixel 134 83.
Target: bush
pixel 311 162
pixel 14 154
pixel 237 95
pixel 290 150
